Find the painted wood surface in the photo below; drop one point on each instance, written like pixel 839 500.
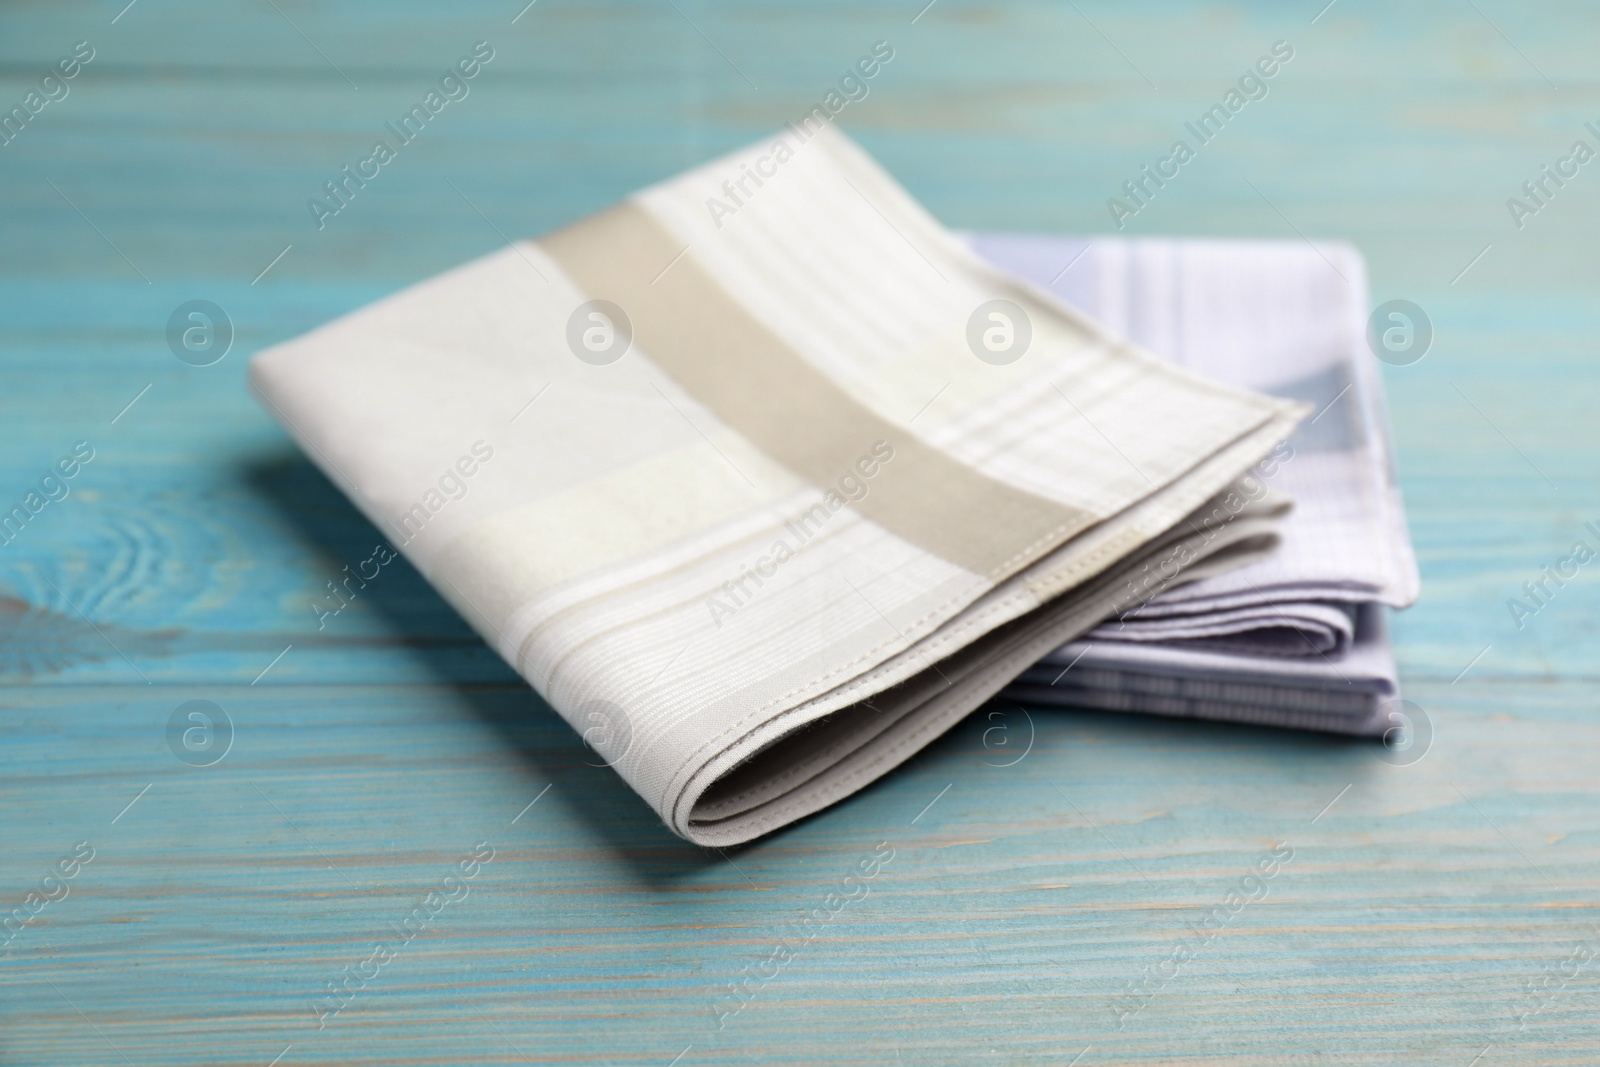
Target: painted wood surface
pixel 1432 913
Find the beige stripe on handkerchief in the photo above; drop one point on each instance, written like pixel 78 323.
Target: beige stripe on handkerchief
pixel 689 324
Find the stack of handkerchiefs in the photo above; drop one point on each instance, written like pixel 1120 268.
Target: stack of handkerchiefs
pixel 763 497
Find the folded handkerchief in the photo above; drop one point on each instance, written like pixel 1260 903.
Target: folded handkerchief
pixel 1297 638
pixel 763 479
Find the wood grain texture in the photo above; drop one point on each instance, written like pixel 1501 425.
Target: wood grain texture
pixel 369 760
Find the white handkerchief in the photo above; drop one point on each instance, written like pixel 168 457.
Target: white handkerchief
pixel 1297 637
pixel 761 502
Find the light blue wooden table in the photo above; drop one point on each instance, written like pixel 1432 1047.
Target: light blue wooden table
pixel 1438 913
